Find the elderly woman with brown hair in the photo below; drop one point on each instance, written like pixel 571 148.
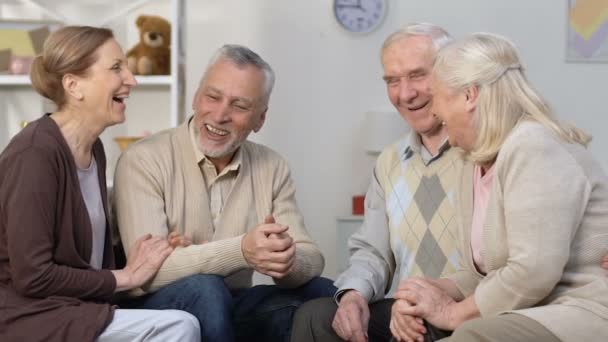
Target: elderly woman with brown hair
pixel 533 218
pixel 57 273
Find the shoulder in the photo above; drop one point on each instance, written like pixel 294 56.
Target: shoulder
pixel 154 148
pixel 262 156
pixel 531 140
pixel 533 148
pixel 38 139
pixel 392 155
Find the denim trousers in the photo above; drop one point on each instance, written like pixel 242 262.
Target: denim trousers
pixel 259 313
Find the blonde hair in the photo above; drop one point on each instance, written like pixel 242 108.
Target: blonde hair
pixel 69 50
pixel 491 63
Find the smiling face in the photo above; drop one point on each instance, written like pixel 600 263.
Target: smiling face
pixel 105 86
pixel 407 65
pixel 457 109
pixel 228 105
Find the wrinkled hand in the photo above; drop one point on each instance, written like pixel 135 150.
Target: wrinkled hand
pixel 427 301
pixel 605 262
pixel 405 327
pixel 145 257
pixel 352 317
pixel 269 249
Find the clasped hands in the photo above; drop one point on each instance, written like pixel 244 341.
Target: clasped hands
pixel 419 299
pixel 269 249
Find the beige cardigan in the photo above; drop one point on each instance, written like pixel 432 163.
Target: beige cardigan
pixel 159 189
pixel 545 233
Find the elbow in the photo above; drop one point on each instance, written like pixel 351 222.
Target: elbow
pixel 33 287
pixel 536 283
pixel 319 265
pixel 538 287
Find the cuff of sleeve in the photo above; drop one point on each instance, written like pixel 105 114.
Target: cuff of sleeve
pixel 359 285
pixel 493 298
pixel 232 254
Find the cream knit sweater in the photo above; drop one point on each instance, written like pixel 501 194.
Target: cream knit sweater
pixel 545 233
pixel 159 189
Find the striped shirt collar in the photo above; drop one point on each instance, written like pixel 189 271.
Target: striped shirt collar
pixel 413 144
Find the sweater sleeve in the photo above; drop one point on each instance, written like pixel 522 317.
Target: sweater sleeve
pixel 139 202
pixel 545 192
pixel 309 261
pixel 372 262
pixel 30 193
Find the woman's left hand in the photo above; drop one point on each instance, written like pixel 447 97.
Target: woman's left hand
pixel 428 301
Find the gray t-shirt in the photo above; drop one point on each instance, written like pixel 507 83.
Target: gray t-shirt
pixel 91 193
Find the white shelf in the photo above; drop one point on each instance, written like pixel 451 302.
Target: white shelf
pixel 154 80
pixel 24 80
pixel 15 80
pixel 354 218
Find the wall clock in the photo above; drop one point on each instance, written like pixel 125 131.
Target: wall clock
pixel 360 16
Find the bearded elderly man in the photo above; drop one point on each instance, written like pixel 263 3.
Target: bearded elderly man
pixel 228 204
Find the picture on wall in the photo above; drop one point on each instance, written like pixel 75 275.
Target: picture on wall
pixel 587 31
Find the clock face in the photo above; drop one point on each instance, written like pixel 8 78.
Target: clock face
pixel 360 16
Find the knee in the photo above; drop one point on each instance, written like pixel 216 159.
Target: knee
pixel 317 287
pixel 316 313
pixel 182 326
pixel 190 327
pixel 206 297
pixel 207 287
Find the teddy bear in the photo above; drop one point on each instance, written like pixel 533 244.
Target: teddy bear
pixel 151 56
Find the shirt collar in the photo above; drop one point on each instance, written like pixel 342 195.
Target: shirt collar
pixel 413 144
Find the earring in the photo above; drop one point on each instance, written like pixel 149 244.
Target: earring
pixel 442 123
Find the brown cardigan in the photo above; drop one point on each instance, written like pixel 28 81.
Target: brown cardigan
pixel 48 290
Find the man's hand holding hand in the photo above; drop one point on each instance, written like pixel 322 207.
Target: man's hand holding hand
pixel 269 249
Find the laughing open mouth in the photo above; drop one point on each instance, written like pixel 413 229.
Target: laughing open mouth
pixel 419 107
pixel 120 99
pixel 216 131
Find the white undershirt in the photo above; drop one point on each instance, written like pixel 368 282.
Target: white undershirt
pixel 91 193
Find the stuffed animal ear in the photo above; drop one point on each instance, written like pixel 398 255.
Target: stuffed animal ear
pixel 141 20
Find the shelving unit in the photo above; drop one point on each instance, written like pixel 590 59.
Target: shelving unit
pixel 156 103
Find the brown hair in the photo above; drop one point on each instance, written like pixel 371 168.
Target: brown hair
pixel 69 50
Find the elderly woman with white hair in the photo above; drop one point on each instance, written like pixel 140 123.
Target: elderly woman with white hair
pixel 533 218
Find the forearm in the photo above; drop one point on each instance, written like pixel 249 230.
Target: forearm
pixel 449 287
pixel 223 257
pixel 372 263
pixel 59 280
pixel 309 263
pixel 462 311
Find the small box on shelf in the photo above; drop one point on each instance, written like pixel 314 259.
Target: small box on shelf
pixel 358 205
pixel 5 61
pixel 23 39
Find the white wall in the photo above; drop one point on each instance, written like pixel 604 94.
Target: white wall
pixel 327 79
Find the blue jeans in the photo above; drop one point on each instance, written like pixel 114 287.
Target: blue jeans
pixel 259 313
